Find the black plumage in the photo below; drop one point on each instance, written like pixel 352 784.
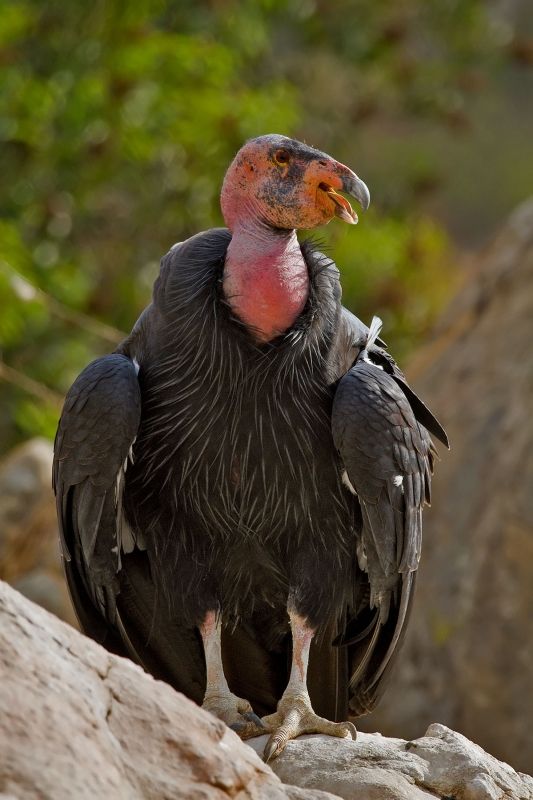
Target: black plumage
pixel 223 475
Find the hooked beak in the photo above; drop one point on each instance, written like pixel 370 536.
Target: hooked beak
pixel 357 188
pixel 347 181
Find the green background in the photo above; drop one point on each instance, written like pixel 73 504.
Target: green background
pixel 117 123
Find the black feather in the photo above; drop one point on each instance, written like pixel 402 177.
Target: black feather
pixel 388 459
pixel 235 491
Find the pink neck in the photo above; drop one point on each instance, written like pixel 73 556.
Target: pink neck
pixel 266 281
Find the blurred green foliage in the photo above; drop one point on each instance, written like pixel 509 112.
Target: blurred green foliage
pixel 117 121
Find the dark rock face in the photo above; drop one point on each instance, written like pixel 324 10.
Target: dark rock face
pixel 467 661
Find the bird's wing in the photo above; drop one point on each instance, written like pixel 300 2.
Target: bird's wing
pixel 388 460
pixel 96 431
pixel 382 358
pixel 350 339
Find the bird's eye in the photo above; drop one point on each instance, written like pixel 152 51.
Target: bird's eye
pixel 282 157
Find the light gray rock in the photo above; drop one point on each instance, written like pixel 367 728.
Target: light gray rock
pixel 442 764
pixel 372 768
pixel 78 722
pixel 455 766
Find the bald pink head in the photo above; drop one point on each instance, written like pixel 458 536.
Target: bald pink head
pixel 274 186
pixel 286 185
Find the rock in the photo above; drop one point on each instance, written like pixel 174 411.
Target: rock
pixel 29 551
pixel 76 721
pixel 372 768
pixel 441 764
pixel 467 660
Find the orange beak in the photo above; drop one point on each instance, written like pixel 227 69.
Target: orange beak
pixel 330 176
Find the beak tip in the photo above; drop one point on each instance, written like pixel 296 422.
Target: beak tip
pixel 357 188
pixel 364 198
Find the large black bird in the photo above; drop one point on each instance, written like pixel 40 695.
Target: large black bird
pixel 240 484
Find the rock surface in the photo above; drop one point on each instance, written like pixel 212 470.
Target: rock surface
pixel 78 722
pixel 441 764
pixel 467 661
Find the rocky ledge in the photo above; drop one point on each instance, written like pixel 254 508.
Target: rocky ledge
pixel 77 722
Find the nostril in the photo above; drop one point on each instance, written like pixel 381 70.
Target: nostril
pixel 323 163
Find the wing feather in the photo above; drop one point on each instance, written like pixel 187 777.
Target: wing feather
pixel 388 458
pixel 352 337
pixel 97 428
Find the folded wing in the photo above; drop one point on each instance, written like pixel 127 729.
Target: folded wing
pixel 388 460
pixel 96 432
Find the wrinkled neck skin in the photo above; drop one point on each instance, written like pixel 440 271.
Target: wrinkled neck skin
pixel 266 281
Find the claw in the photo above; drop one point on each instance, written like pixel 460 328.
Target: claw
pixel 251 725
pixel 236 712
pixel 238 727
pixel 246 730
pixel 295 717
pixel 252 717
pixel 272 750
pixel 351 729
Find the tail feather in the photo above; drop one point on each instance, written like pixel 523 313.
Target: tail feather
pixel 371 663
pixel 369 652
pixel 398 631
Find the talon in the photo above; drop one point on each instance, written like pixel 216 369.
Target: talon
pixel 238 727
pixel 272 749
pixel 352 730
pixel 236 713
pixel 246 730
pixel 295 717
pixel 252 717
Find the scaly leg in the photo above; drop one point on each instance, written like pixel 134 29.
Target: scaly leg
pixel 295 715
pixel 218 699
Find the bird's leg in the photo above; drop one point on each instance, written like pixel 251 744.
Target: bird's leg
pixel 295 715
pixel 218 699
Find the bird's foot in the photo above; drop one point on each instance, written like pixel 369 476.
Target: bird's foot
pixel 237 713
pixel 295 717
